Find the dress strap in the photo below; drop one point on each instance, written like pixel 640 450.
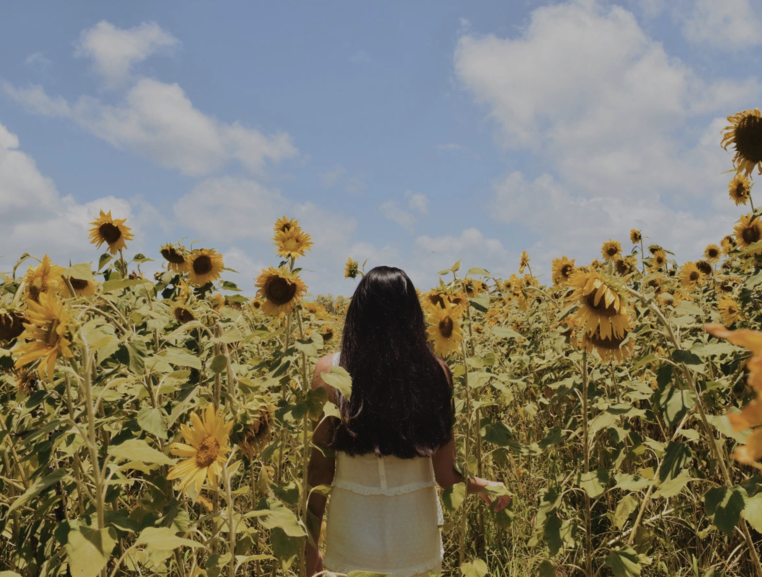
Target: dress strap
pixel 336 359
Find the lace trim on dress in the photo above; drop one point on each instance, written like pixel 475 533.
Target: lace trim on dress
pixel 366 490
pixel 330 564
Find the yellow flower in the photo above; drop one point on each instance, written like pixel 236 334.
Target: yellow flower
pixel 691 276
pixel 653 248
pixel 611 250
pixel 658 259
pixel 351 269
pixel 712 253
pixel 205 266
pixel 46 334
pixel 524 262
pixel 444 328
pixel 11 325
pixel 433 299
pixel 739 189
pixel 728 243
pixel 563 268
pixel 182 313
pixel 474 287
pixel 609 348
pixel 176 257
pixel 284 224
pixel 183 294
pixel 42 278
pixel 113 232
pixel 705 267
pixel 745 134
pixel 625 266
pixel 205 452
pixel 748 231
pixel 327 332
pixel 217 301
pixel 603 309
pixel 635 236
pixel 280 290
pixel 729 311
pixel 292 243
pixel 82 288
pixel 256 304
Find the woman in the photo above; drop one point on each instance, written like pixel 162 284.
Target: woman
pixel 393 443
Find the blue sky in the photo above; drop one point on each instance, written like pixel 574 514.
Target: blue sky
pixel 411 134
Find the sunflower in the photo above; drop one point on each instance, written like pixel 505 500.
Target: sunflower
pixel 292 243
pixel 433 299
pixel 256 304
pixel 46 334
pixel 327 332
pixel 748 230
pixel 745 133
pixel 176 257
pixel 653 248
pixel 658 259
pixel 205 266
pixel 635 236
pixel 256 433
pixel 739 189
pixel 712 253
pixel 625 266
pixel 284 224
pixel 563 268
pixel 351 269
pixel 217 301
pixel 280 290
pixel 691 276
pixel 728 243
pixel 444 330
pixel 524 262
pixel 182 313
pixel 729 284
pixel 603 309
pixel 82 288
pixel 113 232
pixel 473 287
pixel 205 452
pixel 42 278
pixel 183 293
pixel 705 267
pixel 11 325
pixel 729 311
pixel 611 250
pixel 609 348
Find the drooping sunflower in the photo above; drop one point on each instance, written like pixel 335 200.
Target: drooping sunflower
pixel 256 433
pixel 712 253
pixel 739 189
pixel 748 231
pixel 82 287
pixel 113 232
pixel 611 250
pixel 728 243
pixel 635 236
pixel 603 309
pixel 474 287
pixel 205 266
pixel 327 332
pixel 729 284
pixel 46 335
pixel 705 267
pixel 611 347
pixel 524 262
pixel 563 268
pixel 205 450
pixel 653 248
pixel 690 275
pixel 42 278
pixel 176 257
pixel 292 243
pixel 280 290
pixel 283 224
pixel 217 301
pixel 432 299
pixel 183 293
pixel 729 311
pixel 182 313
pixel 444 329
pixel 11 325
pixel 745 134
pixel 351 269
pixel 625 266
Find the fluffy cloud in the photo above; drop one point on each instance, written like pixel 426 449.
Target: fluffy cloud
pixel 619 125
pixel 159 122
pixel 331 177
pixel 115 51
pixel 417 201
pixel 396 214
pixel 726 24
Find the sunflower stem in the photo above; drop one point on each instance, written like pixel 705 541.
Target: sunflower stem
pixel 305 454
pixel 231 521
pixel 464 514
pixel 586 454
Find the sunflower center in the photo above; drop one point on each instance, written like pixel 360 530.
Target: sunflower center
pixel 172 256
pixel 78 284
pixel 611 344
pixel 183 315
pixel 751 234
pixel 291 244
pixel 741 190
pixel 446 327
pixel 109 232
pixel 280 291
pixel 601 309
pixel 612 251
pixel 207 452
pixel 327 335
pixel 712 253
pixel 567 270
pixel 202 265
pixel 748 137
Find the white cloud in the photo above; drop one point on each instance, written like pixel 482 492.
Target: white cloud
pixel 449 146
pixel 612 117
pixel 725 24
pixel 396 214
pixel 159 122
pixel 36 59
pixel 360 57
pixel 354 185
pixel 331 177
pixel 417 201
pixel 114 51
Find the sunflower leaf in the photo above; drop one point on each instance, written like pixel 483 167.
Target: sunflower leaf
pixel 138 450
pixel 80 271
pixel 88 549
pixel 340 380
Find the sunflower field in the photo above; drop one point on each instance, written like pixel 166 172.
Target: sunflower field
pixel 156 426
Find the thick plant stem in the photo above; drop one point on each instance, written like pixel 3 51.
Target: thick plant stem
pixel 231 522
pixel 464 513
pixel 282 440
pixel 586 451
pixel 306 386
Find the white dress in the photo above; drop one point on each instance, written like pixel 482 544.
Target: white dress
pixel 383 515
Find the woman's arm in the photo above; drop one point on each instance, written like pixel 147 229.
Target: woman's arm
pixel 320 470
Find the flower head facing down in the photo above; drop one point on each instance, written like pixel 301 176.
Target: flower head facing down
pixel 176 257
pixel 43 278
pixel 745 135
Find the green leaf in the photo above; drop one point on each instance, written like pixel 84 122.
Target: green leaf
pixel 753 512
pixel 497 433
pixel 280 516
pixel 724 506
pixel 624 509
pixel 285 547
pixel 480 303
pixel 624 562
pixel 138 450
pixel 340 380
pixel 180 358
pixel 689 308
pixel 475 568
pixel 82 271
pixel 674 403
pixel 116 284
pixel 632 482
pixel 163 539
pixel 152 421
pixel 88 550
pixel 453 496
pixel 477 271
pixel 36 488
pixel 505 333
pixel 552 533
pixel 722 424
pixel 686 357
pixel 218 364
pixel 594 483
pixel 316 399
pixel 546 569
pixel 675 458
pixel 673 487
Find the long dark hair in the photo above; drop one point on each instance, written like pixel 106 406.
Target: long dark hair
pixel 400 402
